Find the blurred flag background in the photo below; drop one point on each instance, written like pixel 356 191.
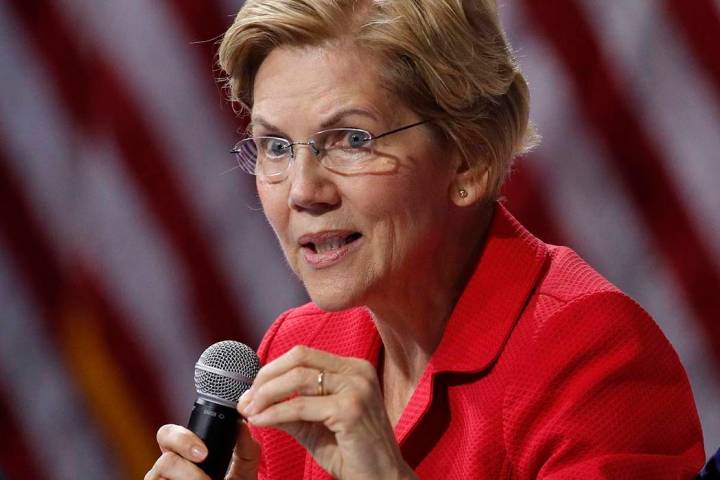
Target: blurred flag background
pixel 128 243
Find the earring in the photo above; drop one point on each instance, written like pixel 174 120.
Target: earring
pixel 462 193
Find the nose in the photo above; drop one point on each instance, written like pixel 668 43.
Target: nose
pixel 312 189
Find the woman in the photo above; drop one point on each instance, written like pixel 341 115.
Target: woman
pixel 443 340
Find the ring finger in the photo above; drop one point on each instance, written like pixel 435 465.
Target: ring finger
pixel 304 409
pixel 298 381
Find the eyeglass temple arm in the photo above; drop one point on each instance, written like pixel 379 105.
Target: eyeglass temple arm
pixel 405 127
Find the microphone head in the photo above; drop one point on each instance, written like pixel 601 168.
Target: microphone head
pixel 225 371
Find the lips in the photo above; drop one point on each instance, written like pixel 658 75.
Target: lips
pixel 327 248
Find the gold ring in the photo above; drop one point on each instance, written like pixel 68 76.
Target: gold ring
pixel 321 383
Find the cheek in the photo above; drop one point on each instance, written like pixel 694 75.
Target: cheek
pixel 417 216
pixel 398 217
pixel 274 204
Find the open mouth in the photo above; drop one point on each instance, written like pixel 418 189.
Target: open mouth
pixel 331 243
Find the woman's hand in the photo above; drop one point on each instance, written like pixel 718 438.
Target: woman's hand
pixel 181 449
pixel 346 430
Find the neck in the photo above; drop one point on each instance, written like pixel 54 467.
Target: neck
pixel 411 321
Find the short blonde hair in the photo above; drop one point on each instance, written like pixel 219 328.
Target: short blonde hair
pixel 447 60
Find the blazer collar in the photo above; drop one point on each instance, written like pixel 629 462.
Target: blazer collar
pixel 509 268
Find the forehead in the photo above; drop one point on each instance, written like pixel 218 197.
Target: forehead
pixel 314 82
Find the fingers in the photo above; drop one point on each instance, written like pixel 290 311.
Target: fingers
pixel 180 440
pixel 306 409
pixel 171 466
pixel 297 373
pixel 246 456
pixel 346 429
pixel 304 364
pixel 298 381
pixel 302 356
pixel 180 448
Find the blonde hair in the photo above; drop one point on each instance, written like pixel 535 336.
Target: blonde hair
pixel 447 60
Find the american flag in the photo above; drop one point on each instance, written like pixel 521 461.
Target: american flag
pixel 128 243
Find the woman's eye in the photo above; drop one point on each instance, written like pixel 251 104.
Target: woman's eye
pixel 357 139
pixel 276 147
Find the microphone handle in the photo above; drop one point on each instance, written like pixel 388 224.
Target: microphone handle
pixel 217 426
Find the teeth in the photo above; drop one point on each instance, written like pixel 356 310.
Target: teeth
pixel 329 244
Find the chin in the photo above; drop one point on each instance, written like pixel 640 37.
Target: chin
pixel 333 299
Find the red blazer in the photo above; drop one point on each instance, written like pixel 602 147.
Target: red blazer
pixel 545 370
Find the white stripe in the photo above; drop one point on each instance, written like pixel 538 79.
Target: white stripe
pixel 589 204
pixel 164 70
pixel 40 393
pixel 680 109
pixel 36 132
pixel 139 270
pixel 90 211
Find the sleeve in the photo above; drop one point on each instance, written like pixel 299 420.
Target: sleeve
pixel 602 395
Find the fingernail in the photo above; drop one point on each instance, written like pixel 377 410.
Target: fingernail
pixel 250 408
pixel 241 401
pixel 197 452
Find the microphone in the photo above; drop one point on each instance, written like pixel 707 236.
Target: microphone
pixel 224 371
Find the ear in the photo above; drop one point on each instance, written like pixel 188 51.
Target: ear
pixel 470 184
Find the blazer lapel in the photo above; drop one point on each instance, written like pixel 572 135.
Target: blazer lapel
pixel 510 266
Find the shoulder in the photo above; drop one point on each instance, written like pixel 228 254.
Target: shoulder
pixel 568 277
pixel 579 320
pixel 592 374
pixel 305 325
pixel 573 299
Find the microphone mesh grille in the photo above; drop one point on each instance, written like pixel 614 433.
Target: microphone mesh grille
pixel 233 358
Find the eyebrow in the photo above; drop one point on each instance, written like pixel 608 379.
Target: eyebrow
pixel 337 117
pixel 333 120
pixel 255 122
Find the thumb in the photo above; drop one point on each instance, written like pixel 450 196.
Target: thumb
pixel 246 456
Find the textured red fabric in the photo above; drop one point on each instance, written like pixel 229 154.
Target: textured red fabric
pixel 545 370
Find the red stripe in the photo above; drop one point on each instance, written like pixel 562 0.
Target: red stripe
pixel 32 253
pixel 699 21
pixel 637 161
pixel 526 200
pixel 17 459
pixel 41 270
pixel 101 103
pixel 205 24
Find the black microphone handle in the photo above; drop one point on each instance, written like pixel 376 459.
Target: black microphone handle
pixel 217 426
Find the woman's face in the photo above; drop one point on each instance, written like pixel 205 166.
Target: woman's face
pixel 355 239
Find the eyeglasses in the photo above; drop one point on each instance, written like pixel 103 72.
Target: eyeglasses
pixel 342 150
